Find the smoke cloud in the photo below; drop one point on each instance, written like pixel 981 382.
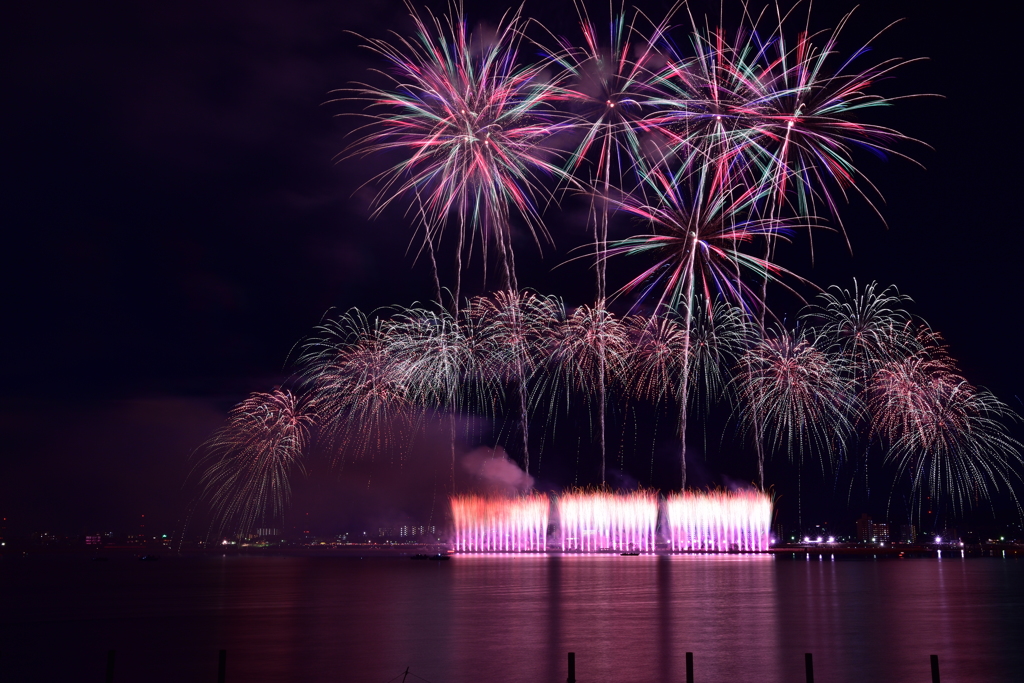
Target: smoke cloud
pixel 494 473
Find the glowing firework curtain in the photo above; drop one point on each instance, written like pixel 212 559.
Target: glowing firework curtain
pixel 500 524
pixel 598 521
pixel 719 521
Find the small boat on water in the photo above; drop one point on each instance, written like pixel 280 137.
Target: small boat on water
pixel 436 556
pixel 630 554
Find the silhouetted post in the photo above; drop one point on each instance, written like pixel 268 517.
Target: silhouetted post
pixel 572 668
pixel 935 669
pixel 222 666
pixel 689 667
pixel 110 666
pixel 809 665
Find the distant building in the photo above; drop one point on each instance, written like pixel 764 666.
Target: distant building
pixel 407 533
pixel 864 528
pixel 869 531
pixel 908 533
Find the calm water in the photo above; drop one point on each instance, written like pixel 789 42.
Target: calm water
pixel 506 618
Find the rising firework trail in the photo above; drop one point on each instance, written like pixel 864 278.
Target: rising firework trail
pixel 665 362
pixel 608 86
pixel 698 243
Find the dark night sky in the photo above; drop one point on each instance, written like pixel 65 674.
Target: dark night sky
pixel 174 220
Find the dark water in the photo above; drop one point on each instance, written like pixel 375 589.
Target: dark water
pixel 502 618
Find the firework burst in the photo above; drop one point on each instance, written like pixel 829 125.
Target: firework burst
pixel 360 386
pixel 584 353
pixel 782 114
pixel 252 457
pixel 509 329
pixel 700 242
pixel 797 394
pixel 469 122
pixel 868 327
pixel 945 435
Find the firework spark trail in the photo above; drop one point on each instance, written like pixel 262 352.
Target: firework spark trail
pixel 470 123
pixel 781 114
pixel 252 457
pixel 598 520
pixel 510 328
pixel 798 393
pixel 868 326
pixel 485 524
pixel 697 246
pixel 719 521
pixel 360 387
pixel 584 351
pixel 942 433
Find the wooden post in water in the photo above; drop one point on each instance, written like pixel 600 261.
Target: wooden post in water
pixel 935 669
pixel 809 666
pixel 689 667
pixel 110 666
pixel 572 668
pixel 222 666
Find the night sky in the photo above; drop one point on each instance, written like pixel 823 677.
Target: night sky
pixel 175 220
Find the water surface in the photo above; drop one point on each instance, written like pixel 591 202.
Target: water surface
pixel 511 618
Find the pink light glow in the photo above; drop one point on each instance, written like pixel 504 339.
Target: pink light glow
pixel 596 521
pixel 719 521
pixel 500 524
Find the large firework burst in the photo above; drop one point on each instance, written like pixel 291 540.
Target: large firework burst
pixel 469 121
